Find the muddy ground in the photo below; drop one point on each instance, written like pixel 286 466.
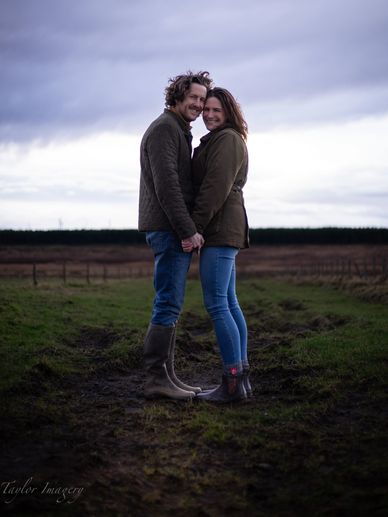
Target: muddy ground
pixel 129 456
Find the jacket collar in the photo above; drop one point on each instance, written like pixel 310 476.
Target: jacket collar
pixel 209 135
pixel 181 121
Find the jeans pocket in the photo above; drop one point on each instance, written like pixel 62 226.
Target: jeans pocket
pixel 160 241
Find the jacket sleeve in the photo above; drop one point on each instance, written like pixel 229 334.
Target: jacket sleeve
pixel 224 159
pixel 163 153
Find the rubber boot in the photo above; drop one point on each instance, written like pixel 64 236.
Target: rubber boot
pixel 247 384
pixel 171 370
pixel 156 350
pixel 231 389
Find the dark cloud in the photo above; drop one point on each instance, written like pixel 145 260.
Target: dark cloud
pixel 70 67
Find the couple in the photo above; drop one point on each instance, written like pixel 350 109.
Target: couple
pixel 191 204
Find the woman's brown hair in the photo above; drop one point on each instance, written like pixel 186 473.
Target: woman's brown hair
pixel 232 109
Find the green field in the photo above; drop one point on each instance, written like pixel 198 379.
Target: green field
pixel 312 442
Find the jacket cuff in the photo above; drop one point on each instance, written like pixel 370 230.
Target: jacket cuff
pixel 188 231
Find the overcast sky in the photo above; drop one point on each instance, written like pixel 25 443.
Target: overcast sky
pixel 82 79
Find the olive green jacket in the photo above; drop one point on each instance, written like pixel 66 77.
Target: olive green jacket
pixel 219 172
pixel 166 191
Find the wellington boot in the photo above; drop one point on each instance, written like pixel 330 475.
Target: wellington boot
pixel 171 369
pixel 156 349
pixel 247 384
pixel 159 385
pixel 231 389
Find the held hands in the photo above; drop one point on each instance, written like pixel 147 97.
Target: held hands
pixel 196 241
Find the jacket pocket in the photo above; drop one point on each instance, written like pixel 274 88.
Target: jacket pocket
pixel 215 224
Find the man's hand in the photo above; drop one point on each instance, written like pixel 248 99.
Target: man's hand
pixel 196 241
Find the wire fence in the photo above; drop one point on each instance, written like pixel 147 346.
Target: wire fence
pixel 86 271
pixel 70 271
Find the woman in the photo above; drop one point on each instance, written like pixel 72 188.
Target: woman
pixel 219 169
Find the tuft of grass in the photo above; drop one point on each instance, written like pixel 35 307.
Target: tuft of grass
pixel 39 323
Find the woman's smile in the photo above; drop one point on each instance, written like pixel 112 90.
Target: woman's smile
pixel 213 114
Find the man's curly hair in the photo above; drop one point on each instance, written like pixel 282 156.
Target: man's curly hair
pixel 179 85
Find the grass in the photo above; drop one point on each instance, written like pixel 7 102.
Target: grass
pixel 312 441
pixel 39 323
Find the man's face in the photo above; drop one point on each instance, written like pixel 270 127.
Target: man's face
pixel 192 105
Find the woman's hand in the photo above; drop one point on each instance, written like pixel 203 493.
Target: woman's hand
pixel 187 245
pixel 196 241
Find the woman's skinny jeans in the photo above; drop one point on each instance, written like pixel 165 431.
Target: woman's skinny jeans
pixel 218 278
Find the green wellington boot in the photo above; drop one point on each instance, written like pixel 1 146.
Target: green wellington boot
pixel 156 352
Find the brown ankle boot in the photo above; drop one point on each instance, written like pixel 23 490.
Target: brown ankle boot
pixel 231 389
pixel 247 384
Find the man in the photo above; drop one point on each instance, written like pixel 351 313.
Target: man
pixel 166 197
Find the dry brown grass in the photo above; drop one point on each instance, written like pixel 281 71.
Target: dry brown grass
pixel 135 260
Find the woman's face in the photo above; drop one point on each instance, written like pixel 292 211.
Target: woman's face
pixel 213 114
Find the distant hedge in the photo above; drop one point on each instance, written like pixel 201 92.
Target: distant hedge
pixel 70 237
pixel 319 236
pixel 257 236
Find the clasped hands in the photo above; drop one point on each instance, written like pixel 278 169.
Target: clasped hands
pixel 196 241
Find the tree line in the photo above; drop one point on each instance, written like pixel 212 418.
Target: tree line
pixel 275 236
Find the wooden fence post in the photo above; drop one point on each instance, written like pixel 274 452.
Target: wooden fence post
pixel 34 275
pixel 64 271
pixel 357 269
pixel 384 267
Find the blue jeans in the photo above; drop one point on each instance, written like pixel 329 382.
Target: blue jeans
pixel 170 271
pixel 218 278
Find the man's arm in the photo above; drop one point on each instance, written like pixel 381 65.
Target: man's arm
pixel 163 150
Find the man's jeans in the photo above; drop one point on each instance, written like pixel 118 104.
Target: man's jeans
pixel 218 278
pixel 170 271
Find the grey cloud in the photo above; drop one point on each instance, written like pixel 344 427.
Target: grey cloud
pixel 70 67
pixel 371 202
pixel 65 193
